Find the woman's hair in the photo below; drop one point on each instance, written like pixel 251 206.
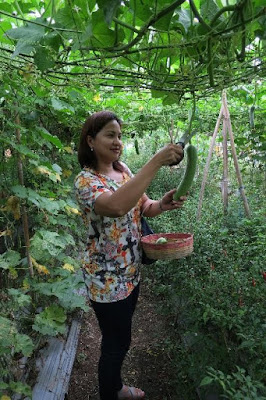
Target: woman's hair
pixel 93 124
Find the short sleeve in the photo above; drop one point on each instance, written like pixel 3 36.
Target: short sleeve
pixel 87 189
pixel 126 169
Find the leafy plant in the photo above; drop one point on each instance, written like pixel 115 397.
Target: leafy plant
pixel 238 386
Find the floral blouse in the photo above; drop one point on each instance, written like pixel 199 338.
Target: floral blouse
pixel 112 256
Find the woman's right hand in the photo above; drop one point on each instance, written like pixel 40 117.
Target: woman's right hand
pixel 170 154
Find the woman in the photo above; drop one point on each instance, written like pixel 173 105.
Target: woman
pixel 112 201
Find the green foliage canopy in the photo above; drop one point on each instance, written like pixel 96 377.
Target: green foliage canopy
pixel 173 48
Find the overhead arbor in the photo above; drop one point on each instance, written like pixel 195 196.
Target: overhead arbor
pixel 176 49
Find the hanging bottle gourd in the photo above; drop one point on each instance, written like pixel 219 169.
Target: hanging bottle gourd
pixel 136 143
pixel 189 174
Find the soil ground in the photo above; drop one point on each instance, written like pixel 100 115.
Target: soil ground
pixel 147 365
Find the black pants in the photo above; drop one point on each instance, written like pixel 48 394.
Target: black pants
pixel 115 320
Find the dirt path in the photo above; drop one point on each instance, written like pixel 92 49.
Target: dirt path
pixel 147 364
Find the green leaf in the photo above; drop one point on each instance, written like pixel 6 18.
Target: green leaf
pixel 23 47
pixel 109 8
pixel 157 94
pixel 40 201
pixel 25 151
pixel 29 32
pixel 184 18
pixel 20 388
pixel 5 26
pixel 43 58
pixel 141 9
pixel 61 105
pixel 65 291
pixel 4 6
pixel 45 244
pixel 206 381
pixel 24 344
pixel 208 9
pixel 171 99
pixel 50 321
pixel 52 139
pixel 19 298
pixel 9 259
pixel 66 18
pixel 164 22
pixel 103 36
pixel 12 340
pixel 20 191
pixel 53 40
pixel 71 301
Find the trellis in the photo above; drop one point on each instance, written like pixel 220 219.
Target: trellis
pixel 224 116
pixel 199 50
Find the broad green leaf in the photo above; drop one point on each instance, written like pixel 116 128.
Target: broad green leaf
pixel 142 10
pixel 20 191
pixel 71 301
pixel 52 139
pixel 208 9
pixel 53 40
pixel 19 297
pixel 50 321
pixel 163 23
pixel 4 6
pixel 259 3
pixel 57 168
pixel 91 4
pixel 45 244
pixel 109 8
pixel 61 105
pixel 171 99
pixel 66 18
pixel 65 291
pixel 9 259
pixel 24 344
pixel 23 47
pixel 83 39
pixel 184 18
pixel 11 339
pixel 43 58
pixel 20 388
pixel 25 151
pixel 157 94
pixel 102 36
pixel 206 381
pixel 5 26
pixel 40 201
pixel 31 32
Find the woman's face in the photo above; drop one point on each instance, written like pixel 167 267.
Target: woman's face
pixel 107 144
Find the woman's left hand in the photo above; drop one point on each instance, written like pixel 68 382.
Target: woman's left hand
pixel 168 203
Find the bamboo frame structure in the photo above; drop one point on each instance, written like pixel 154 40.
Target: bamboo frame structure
pixel 227 128
pixel 23 207
pixel 225 169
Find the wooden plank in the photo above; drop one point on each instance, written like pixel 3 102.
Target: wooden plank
pixel 53 379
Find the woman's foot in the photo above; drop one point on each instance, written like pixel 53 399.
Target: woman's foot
pixel 130 393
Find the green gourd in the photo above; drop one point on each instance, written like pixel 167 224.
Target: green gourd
pixel 189 173
pixel 161 240
pixel 136 143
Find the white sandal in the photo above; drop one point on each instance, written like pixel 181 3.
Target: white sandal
pixel 130 393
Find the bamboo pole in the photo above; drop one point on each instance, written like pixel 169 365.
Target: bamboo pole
pixel 225 169
pixel 207 166
pixel 23 207
pixel 238 173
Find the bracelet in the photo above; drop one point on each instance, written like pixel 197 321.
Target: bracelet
pixel 160 205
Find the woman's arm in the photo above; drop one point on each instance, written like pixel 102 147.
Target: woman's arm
pixel 152 208
pixel 126 197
